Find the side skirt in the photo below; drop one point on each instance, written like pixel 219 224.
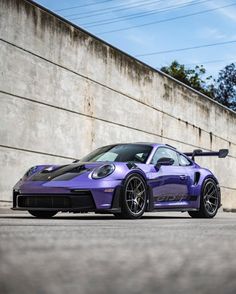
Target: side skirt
pixel 175 209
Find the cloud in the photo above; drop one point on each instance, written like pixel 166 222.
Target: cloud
pixel 227 12
pixel 230 13
pixel 212 33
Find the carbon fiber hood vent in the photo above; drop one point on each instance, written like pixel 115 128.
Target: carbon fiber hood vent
pixel 62 173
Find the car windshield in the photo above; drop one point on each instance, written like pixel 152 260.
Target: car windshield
pixel 120 153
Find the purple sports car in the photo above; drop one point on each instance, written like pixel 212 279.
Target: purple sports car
pixel 125 180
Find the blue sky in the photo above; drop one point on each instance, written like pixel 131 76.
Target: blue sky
pixel 214 22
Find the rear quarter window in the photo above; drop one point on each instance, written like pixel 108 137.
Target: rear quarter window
pixel 183 161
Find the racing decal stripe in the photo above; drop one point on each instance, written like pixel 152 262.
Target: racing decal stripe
pixel 169 198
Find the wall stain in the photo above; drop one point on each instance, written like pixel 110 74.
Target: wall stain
pixel 88 101
pixel 93 134
pixel 131 67
pixel 167 92
pixel 211 137
pixel 199 132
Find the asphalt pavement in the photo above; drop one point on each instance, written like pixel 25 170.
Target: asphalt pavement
pixel 88 253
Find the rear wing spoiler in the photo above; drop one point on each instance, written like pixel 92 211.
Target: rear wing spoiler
pixel 222 153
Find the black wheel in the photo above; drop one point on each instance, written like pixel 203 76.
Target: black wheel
pixel 209 202
pixel 42 214
pixel 133 198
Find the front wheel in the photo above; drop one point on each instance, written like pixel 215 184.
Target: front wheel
pixel 133 198
pixel 42 214
pixel 209 202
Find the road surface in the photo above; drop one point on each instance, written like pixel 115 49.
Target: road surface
pixel 88 253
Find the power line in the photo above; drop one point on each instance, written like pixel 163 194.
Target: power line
pixel 143 14
pixel 79 6
pixel 166 20
pixel 110 9
pixel 212 61
pixel 123 7
pixel 186 48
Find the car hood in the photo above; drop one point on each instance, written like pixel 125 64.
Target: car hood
pixel 64 172
pixel 75 175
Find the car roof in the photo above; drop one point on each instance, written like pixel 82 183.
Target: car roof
pixel 156 144
pixel 144 143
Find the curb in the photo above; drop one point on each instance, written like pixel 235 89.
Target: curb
pixel 229 209
pixel 7 210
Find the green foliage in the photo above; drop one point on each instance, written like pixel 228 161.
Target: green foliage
pixel 226 86
pixel 191 77
pixel 222 90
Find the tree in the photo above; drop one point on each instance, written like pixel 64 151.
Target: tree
pixel 191 77
pixel 225 92
pixel 222 90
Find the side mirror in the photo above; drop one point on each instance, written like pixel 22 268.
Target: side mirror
pixel 164 161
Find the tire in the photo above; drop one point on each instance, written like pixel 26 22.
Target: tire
pixel 133 198
pixel 209 202
pixel 42 214
pixel 117 215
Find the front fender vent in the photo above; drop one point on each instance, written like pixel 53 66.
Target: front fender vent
pixel 131 165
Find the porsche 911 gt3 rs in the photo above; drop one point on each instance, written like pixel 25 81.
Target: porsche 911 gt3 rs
pixel 125 180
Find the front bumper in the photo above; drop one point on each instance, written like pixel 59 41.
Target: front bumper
pixel 83 200
pixel 76 200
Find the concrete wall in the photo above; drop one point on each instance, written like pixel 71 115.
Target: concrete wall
pixel 63 93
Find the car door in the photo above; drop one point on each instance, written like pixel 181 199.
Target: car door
pixel 170 184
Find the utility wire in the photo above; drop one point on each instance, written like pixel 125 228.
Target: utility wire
pixel 143 14
pixel 186 48
pixel 111 9
pixel 165 20
pixel 212 61
pixel 140 14
pixel 79 6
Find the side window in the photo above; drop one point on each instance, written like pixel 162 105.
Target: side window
pixel 165 152
pixel 109 156
pixel 183 161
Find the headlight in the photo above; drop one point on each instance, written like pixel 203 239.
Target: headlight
pixel 103 171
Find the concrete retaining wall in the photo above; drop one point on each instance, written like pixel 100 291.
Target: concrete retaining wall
pixel 63 93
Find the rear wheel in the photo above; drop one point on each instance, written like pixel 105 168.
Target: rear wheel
pixel 133 198
pixel 42 214
pixel 210 201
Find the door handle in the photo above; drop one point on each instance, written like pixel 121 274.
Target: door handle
pixel 183 177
